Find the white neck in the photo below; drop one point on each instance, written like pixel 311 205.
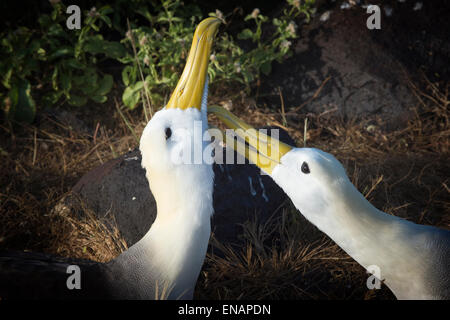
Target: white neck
pixel 374 238
pixel 174 248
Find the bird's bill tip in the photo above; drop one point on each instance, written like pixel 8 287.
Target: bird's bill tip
pixel 189 90
pixel 263 150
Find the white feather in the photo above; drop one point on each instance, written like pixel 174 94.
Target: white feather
pixel 411 257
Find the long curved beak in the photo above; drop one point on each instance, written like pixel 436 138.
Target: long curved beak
pixel 189 90
pixel 264 151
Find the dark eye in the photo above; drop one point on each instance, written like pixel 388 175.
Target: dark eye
pixel 305 168
pixel 168 133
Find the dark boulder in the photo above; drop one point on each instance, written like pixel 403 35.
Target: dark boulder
pixel 341 68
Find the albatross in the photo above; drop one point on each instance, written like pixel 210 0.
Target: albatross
pixel 413 260
pixel 166 262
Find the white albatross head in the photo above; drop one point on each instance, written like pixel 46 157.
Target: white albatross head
pixel 310 177
pixel 174 140
pixel 320 175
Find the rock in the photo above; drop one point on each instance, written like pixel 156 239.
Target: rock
pixel 365 78
pixel 119 190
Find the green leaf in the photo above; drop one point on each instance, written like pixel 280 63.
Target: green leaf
pixel 107 20
pixel 63 51
pixel 211 74
pixel 54 14
pixel 260 54
pixel 94 26
pixel 138 85
pixel 245 34
pixel 76 100
pixel 44 21
pixel 126 75
pixel 105 10
pixel 266 68
pixel 13 95
pixel 41 54
pixel 25 109
pixel 56 31
pixel 99 99
pixel 90 82
pixel 105 85
pixel 144 12
pixel 96 45
pixel 51 98
pixel 74 64
pixel 248 17
pixel 34 46
pixel 131 97
pixel 65 81
pixel 7 77
pixel 248 76
pixel 55 78
pixel 114 50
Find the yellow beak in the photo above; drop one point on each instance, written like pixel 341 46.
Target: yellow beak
pixel 264 151
pixel 189 90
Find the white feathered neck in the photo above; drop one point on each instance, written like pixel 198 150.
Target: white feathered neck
pixel 409 256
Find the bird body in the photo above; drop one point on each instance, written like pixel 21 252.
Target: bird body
pixel 413 260
pixel 166 262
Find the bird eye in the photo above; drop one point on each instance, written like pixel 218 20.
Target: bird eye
pixel 305 168
pixel 168 133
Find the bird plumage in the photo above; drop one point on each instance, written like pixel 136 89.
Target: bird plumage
pixel 413 259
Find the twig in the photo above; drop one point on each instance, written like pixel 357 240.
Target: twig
pixel 95 133
pixel 109 143
pixel 305 131
pixel 99 157
pixel 141 74
pixel 374 186
pixel 282 107
pixel 270 120
pixel 313 97
pixel 446 187
pixel 126 121
pixel 35 147
pixel 85 156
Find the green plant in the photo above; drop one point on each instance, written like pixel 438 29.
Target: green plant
pixel 234 64
pixel 245 66
pixel 159 50
pixel 19 59
pixel 56 64
pixel 298 7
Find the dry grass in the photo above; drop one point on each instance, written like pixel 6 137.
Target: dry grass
pixel 40 165
pixel 290 259
pixel 85 236
pixel 403 172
